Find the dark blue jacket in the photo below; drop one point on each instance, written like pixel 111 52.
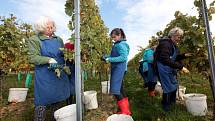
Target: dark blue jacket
pixel 165 50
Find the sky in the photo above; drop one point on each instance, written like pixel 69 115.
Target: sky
pixel 140 19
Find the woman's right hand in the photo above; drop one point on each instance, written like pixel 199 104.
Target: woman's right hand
pixel 52 60
pixel 185 70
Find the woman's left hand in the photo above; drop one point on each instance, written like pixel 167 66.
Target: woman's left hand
pixel 188 54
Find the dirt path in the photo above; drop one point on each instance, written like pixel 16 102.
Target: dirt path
pixel 23 111
pixel 106 108
pixel 15 109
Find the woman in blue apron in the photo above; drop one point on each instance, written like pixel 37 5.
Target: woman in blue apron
pixel 45 54
pixel 118 60
pixel 168 59
pixel 147 71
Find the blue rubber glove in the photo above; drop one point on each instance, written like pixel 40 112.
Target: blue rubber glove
pixel 103 58
pixel 52 64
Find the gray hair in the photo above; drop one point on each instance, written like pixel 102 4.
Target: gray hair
pixel 176 31
pixel 41 24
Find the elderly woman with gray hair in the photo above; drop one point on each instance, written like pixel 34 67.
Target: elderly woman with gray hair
pixel 45 54
pixel 168 61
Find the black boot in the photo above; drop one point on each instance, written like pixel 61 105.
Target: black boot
pixel 166 102
pixel 146 85
pixel 173 97
pixel 40 113
pixel 151 86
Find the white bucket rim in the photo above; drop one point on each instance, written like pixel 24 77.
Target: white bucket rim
pixel 195 96
pixel 18 89
pixel 118 115
pixel 90 92
pixel 105 82
pixel 58 113
pixel 182 88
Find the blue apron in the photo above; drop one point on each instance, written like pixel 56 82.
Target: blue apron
pixel 150 75
pixel 48 87
pixel 168 75
pixel 117 72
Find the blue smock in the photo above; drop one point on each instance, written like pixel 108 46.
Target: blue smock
pixel 146 68
pixel 48 87
pixel 149 76
pixel 168 75
pixel 118 59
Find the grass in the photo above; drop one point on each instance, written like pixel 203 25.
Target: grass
pixel 20 112
pixel 10 81
pixel 144 108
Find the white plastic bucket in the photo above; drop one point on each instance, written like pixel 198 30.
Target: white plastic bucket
pixel 105 87
pixel 90 100
pixel 17 94
pixel 119 117
pixel 158 88
pixel 67 113
pixel 196 104
pixel 180 92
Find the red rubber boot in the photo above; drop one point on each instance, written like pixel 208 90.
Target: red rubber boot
pixel 151 93
pixel 124 106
